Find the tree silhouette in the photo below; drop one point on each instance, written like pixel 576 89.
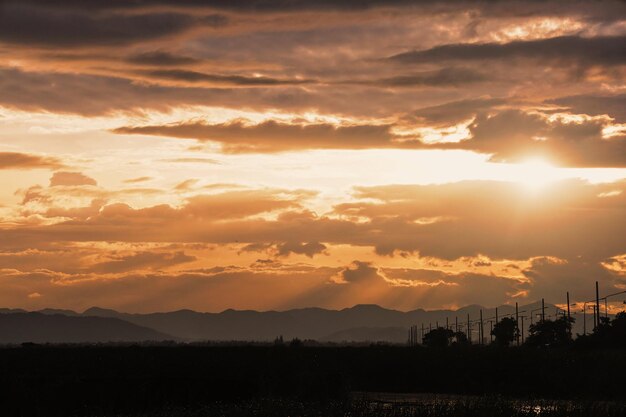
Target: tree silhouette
pixel 438 338
pixel 295 343
pixel 460 339
pixel 609 333
pixel 618 330
pixel 504 331
pixel 550 333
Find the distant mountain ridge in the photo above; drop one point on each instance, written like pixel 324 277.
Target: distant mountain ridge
pixel 359 323
pixel 38 327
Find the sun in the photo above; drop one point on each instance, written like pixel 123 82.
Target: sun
pixel 537 173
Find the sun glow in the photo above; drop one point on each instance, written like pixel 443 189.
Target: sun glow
pixel 537 173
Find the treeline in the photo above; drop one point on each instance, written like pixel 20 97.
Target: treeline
pixel 543 334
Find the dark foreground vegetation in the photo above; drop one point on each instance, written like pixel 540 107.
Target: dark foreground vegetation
pixel 184 380
pixel 426 407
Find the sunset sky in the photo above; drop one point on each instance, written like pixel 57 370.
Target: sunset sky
pixel 273 154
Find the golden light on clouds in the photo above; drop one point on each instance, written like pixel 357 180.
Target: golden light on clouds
pixel 421 155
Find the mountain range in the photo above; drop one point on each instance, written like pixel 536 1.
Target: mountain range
pixel 361 323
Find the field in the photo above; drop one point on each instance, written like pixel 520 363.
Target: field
pixel 199 381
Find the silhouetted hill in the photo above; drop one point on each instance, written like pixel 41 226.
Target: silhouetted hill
pixel 52 311
pixel 57 328
pixel 101 312
pixel 358 323
pixel 12 310
pixel 305 323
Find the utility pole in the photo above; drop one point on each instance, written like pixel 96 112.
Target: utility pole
pixel 469 331
pixel 594 316
pixel 447 326
pixel 496 315
pixel 543 311
pixel 456 324
pixel 522 329
pixel 569 317
pixel 517 323
pixel 597 305
pixel 480 330
pixel 490 331
pixel 422 332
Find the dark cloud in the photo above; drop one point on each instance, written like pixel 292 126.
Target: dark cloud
pixel 435 287
pixel 17 160
pixel 161 58
pixel 586 51
pixel 274 136
pixel 514 136
pixel 454 112
pixel 97 95
pixel 309 249
pixel 595 104
pixel 25 25
pixel 421 287
pixel 527 7
pixel 551 278
pixel 445 77
pixel 197 77
pixel 91 95
pixel 360 272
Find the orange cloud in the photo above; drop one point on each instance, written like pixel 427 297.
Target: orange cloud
pixel 499 220
pixel 273 136
pixel 508 135
pixel 16 160
pixel 278 93
pixel 141 261
pixel 70 179
pixel 283 286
